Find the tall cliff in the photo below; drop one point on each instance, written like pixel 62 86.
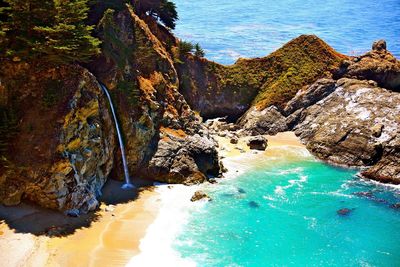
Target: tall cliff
pixel 59 145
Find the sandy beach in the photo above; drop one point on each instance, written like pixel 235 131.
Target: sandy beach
pixel 128 233
pixel 111 240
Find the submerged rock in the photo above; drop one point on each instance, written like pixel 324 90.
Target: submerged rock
pixel 344 212
pixel 254 204
pixel 199 195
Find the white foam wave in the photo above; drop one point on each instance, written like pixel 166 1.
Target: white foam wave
pixel 156 247
pixel 281 190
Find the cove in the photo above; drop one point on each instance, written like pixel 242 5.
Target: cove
pixel 297 219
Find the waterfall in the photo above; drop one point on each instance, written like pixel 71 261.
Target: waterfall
pixel 128 184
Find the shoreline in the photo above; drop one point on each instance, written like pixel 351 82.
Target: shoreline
pixel 176 205
pixel 130 234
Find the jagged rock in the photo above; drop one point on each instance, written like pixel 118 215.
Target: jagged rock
pixel 378 65
pixel 268 121
pixel 342 128
pixel 184 159
pixel 258 143
pixel 199 195
pixel 314 93
pixel 387 169
pixel 145 83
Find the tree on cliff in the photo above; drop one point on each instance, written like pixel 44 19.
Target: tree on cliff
pixel 198 51
pixel 69 38
pixel 162 10
pixel 50 30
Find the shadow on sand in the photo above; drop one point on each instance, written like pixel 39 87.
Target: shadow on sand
pixel 29 218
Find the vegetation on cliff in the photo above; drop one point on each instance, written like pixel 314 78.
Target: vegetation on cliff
pixel 216 90
pixel 50 31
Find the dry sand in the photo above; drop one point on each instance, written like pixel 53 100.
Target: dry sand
pixel 112 240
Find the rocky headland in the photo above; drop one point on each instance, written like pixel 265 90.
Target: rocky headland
pixel 58 144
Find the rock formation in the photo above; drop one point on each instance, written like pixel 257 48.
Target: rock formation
pixel 58 144
pixel 64 146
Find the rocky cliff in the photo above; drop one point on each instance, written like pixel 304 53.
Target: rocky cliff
pixel 351 119
pixel 60 151
pixel 59 145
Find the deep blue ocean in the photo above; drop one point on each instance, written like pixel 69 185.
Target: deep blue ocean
pixel 229 29
pixel 290 209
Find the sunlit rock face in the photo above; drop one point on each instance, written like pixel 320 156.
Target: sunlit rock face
pixel 62 150
pixel 139 70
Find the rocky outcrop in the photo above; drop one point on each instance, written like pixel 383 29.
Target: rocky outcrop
pixel 63 151
pixel 350 121
pixel 182 158
pixel 215 90
pixel 356 125
pixel 378 65
pixel 65 148
pixel 140 73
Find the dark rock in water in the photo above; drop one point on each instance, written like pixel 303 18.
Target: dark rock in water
pixel 72 213
pixel 254 204
pixel 364 194
pixel 199 195
pixel 241 191
pixel 395 206
pixel 258 143
pixel 343 212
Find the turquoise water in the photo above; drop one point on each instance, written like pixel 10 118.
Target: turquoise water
pixel 229 29
pixel 284 212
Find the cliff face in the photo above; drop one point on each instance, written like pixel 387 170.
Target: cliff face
pixel 59 145
pixel 59 153
pixel 159 126
pixel 216 90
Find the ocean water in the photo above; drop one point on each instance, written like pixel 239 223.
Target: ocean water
pixel 229 29
pixel 282 210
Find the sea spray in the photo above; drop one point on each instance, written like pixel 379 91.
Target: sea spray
pixel 128 184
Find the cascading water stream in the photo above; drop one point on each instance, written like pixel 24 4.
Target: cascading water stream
pixel 128 184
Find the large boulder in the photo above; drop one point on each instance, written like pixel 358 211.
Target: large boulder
pixel 267 121
pixel 258 143
pixel 181 158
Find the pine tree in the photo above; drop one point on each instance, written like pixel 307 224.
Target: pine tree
pixel 69 39
pixel 47 30
pixel 198 51
pixel 22 17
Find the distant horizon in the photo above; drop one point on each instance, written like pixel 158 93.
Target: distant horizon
pixel 227 32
